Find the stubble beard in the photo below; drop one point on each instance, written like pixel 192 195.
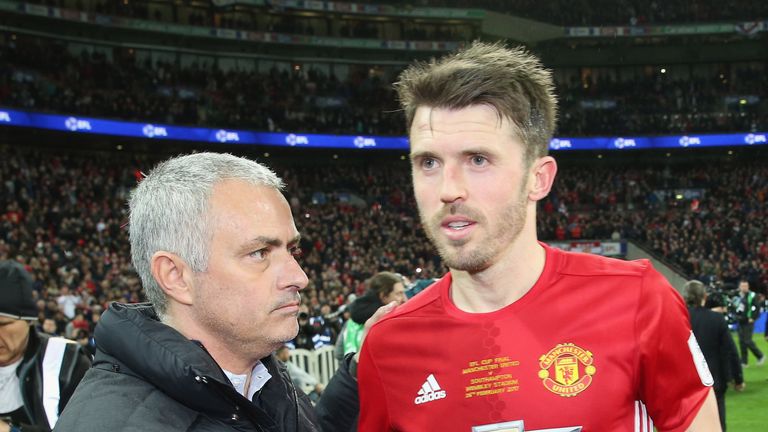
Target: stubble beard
pixel 239 334
pixel 457 255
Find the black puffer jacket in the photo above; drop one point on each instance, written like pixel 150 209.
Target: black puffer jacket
pixel 148 377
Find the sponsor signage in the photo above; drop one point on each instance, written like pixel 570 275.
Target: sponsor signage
pixel 605 248
pixel 91 125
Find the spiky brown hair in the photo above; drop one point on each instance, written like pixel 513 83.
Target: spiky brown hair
pixel 511 80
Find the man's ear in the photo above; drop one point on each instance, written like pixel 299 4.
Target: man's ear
pixel 542 174
pixel 173 275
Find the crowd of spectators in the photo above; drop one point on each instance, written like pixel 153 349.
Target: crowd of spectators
pixel 274 18
pixel 621 12
pixel 42 74
pixel 560 12
pixel 658 103
pixel 709 221
pixel 39 74
pixel 63 215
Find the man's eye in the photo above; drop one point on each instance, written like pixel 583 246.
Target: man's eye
pixel 428 163
pixel 259 255
pixel 479 160
pixel 297 252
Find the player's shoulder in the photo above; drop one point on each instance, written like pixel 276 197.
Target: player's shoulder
pixel 586 264
pixel 575 268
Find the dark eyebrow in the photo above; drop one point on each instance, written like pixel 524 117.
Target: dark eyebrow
pixel 422 155
pixel 476 151
pixel 466 152
pixel 259 241
pixel 295 240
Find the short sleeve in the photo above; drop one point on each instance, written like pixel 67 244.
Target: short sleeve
pixel 671 385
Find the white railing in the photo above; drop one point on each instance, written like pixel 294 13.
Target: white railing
pixel 320 363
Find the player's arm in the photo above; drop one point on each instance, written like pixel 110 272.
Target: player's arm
pixel 339 406
pixel 374 412
pixel 707 419
pixel 674 381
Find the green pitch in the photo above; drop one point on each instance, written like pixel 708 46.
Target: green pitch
pixel 746 411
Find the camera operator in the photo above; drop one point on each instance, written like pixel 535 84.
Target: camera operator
pixel 719 300
pixel 747 312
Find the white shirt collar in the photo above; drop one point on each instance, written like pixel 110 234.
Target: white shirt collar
pixel 10 388
pixel 259 377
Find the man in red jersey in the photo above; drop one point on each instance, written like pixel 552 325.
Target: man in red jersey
pixel 518 336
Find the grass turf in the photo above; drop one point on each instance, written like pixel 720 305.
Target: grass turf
pixel 746 411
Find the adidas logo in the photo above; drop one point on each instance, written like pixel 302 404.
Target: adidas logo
pixel 430 391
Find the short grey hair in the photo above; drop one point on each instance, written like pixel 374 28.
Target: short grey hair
pixel 694 293
pixel 169 211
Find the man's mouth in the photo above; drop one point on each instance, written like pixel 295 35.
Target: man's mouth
pixel 458 225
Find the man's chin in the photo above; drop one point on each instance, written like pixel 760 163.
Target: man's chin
pixel 465 262
pixel 293 331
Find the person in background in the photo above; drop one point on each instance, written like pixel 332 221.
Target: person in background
pixel 303 339
pixel 68 302
pixel 325 327
pixel 87 344
pixel 38 372
pixel 747 312
pixel 716 343
pixel 383 288
pixel 49 327
pixel 77 323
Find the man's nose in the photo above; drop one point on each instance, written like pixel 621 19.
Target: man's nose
pixel 452 184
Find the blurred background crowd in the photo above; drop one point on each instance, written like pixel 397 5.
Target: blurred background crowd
pixel 64 219
pixel 301 67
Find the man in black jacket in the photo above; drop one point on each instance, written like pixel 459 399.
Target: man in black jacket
pixel 214 242
pixel 383 288
pixel 716 343
pixel 38 373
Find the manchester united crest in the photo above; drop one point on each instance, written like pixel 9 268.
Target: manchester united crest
pixel 567 369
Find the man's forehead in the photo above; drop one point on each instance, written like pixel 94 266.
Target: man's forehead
pixel 237 202
pixel 486 111
pixel 234 187
pixel 474 118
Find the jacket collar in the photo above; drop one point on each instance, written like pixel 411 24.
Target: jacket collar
pixel 132 339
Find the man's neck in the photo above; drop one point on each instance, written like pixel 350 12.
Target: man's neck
pixel 503 283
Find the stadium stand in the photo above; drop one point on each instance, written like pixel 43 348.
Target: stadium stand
pixel 285 67
pixel 63 217
pixel 560 12
pixel 607 12
pixel 43 74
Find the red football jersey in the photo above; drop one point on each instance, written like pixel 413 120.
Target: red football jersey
pixel 598 343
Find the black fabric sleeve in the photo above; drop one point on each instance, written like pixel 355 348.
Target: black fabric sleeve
pixel 81 365
pixel 339 406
